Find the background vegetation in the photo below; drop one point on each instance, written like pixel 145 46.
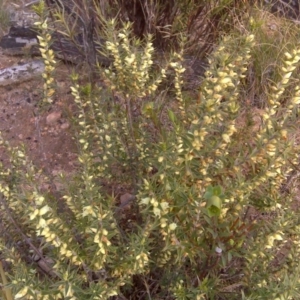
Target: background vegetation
pixel 211 173
pixel 4 17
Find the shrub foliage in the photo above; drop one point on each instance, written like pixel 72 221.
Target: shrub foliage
pixel 209 214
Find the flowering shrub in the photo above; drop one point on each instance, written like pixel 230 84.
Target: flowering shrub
pixel 195 169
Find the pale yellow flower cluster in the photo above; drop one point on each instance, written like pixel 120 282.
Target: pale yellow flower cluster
pixel 82 118
pixel 160 209
pixel 290 64
pixel 271 238
pixel 83 206
pixel 271 137
pixel 47 225
pixel 131 72
pixel 48 57
pixel 179 70
pixel 141 262
pixel 219 85
pixel 164 258
pixel 67 289
pixel 103 243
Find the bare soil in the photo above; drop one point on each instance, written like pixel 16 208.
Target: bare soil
pixel 45 131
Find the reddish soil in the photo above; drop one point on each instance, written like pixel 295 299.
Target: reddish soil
pixel 45 131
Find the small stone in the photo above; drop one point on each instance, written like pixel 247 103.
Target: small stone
pixel 53 117
pixel 65 125
pixel 125 200
pixel 61 84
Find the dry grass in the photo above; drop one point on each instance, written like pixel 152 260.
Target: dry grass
pixel 4 16
pixel 199 23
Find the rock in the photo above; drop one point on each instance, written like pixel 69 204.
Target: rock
pixel 53 117
pixel 20 40
pixel 125 201
pixel 21 73
pixel 65 125
pixel 23 40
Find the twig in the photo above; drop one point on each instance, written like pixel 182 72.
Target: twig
pixel 27 240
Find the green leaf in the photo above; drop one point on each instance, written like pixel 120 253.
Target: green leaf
pixel 148 109
pixel 209 192
pixel 213 191
pixel 87 89
pixel 213 206
pixel 172 116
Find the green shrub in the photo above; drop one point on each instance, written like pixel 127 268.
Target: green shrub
pixel 197 171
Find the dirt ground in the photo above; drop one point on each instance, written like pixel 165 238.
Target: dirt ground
pixel 45 132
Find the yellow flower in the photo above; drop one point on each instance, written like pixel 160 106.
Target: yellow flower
pixel 172 226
